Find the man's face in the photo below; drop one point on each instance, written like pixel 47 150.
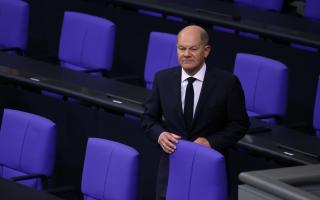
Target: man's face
pixel 191 51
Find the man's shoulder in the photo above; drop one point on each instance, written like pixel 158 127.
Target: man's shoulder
pixel 172 71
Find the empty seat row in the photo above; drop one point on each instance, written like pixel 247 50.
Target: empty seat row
pixel 27 155
pixel 110 168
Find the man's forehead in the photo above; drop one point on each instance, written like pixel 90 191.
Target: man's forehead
pixel 189 37
pixel 189 33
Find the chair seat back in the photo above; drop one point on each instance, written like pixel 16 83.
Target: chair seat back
pixel 265 84
pixel 86 41
pixel 14 23
pixel 27 145
pixel 110 171
pixel 312 9
pixel 196 172
pixel 161 54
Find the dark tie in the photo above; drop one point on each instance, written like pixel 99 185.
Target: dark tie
pixel 188 103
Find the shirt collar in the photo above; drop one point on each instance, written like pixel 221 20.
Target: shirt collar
pixel 199 75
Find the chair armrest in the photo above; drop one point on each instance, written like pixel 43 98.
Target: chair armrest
pixel 17 50
pixel 44 179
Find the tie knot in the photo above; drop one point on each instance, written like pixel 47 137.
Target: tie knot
pixel 191 80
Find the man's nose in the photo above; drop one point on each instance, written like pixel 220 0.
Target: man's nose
pixel 187 53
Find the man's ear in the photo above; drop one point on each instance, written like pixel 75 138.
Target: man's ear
pixel 207 50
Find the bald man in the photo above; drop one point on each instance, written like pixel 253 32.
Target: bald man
pixel 194 102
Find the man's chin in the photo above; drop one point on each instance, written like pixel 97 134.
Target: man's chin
pixel 188 64
pixel 188 67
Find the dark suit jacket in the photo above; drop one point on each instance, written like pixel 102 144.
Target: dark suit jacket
pixel 220 114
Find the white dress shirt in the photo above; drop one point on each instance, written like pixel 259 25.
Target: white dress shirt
pixel 197 85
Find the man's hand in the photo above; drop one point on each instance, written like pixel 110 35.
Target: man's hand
pixel 203 141
pixel 168 141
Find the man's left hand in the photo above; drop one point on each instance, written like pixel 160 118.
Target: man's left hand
pixel 203 141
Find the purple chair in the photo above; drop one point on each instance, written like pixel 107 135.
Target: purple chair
pixel 110 171
pixel 316 111
pixel 275 5
pixel 312 9
pixel 27 148
pixel 265 84
pixel 161 54
pixel 14 23
pixel 196 172
pixel 86 43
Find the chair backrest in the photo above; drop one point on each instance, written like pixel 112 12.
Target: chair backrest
pixel 14 23
pixel 316 111
pixel 161 54
pixel 275 5
pixel 196 172
pixel 312 9
pixel 86 42
pixel 27 146
pixel 110 171
pixel 265 84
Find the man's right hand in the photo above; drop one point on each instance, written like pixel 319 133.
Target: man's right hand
pixel 168 141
